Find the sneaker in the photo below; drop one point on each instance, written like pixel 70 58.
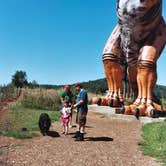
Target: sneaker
pixel 76 134
pixel 66 134
pixel 80 138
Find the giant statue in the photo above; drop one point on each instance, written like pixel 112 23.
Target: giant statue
pixel 136 42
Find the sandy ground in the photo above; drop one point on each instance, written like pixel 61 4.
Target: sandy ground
pixel 108 142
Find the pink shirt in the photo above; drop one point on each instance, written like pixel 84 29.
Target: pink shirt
pixel 65 112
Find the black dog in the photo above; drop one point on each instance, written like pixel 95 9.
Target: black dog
pixel 44 123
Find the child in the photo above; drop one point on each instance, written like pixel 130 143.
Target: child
pixel 65 115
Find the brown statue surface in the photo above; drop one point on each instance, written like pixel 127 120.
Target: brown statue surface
pixel 136 41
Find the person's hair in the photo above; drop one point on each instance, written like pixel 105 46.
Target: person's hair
pixel 78 85
pixel 67 87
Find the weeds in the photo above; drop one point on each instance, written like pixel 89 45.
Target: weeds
pixel 41 99
pixel 7 92
pixel 20 117
pixel 154 142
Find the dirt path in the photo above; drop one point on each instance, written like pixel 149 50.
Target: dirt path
pixel 108 142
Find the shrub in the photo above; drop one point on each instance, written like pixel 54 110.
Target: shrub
pixel 41 99
pixel 7 92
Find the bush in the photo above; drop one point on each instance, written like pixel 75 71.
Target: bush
pixel 7 92
pixel 41 99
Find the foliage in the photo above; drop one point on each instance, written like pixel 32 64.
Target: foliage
pixel 160 91
pixel 7 92
pixel 98 86
pixel 33 84
pixel 20 117
pixel 154 142
pixel 40 99
pixel 19 79
pixel 46 86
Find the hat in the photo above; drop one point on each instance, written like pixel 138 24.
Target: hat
pixel 78 84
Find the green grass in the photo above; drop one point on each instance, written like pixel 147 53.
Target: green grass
pixel 154 141
pixel 20 117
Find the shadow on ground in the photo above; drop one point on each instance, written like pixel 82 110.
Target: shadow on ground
pixel 89 127
pixel 99 139
pixel 53 134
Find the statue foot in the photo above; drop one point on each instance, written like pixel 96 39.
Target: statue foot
pixel 99 101
pixel 153 113
pixel 157 113
pixel 137 113
pixel 122 110
pixel 111 103
pixel 116 102
pixel 102 101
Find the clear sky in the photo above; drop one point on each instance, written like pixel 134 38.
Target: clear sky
pixel 58 41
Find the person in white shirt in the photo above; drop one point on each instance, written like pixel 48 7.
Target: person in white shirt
pixel 65 116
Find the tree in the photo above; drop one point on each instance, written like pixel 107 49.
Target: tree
pixel 33 84
pixel 19 79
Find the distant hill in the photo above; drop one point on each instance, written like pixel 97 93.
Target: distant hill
pixel 99 86
pixel 47 86
pixel 160 91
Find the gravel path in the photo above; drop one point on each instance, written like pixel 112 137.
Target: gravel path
pixel 108 142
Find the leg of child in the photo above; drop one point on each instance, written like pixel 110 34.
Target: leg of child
pixel 63 129
pixel 66 128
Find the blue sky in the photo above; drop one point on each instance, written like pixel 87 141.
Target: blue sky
pixel 58 41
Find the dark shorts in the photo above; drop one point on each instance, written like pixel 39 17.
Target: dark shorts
pixel 81 117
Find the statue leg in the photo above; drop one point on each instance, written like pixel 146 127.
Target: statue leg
pixel 146 73
pixel 132 77
pixel 113 70
pixel 147 77
pixel 147 68
pixel 146 80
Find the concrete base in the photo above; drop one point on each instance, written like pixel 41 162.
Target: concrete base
pixel 112 112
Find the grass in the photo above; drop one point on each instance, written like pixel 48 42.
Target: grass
pixel 154 141
pixel 40 99
pixel 20 117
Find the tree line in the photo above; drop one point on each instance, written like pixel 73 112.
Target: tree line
pixel 99 86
